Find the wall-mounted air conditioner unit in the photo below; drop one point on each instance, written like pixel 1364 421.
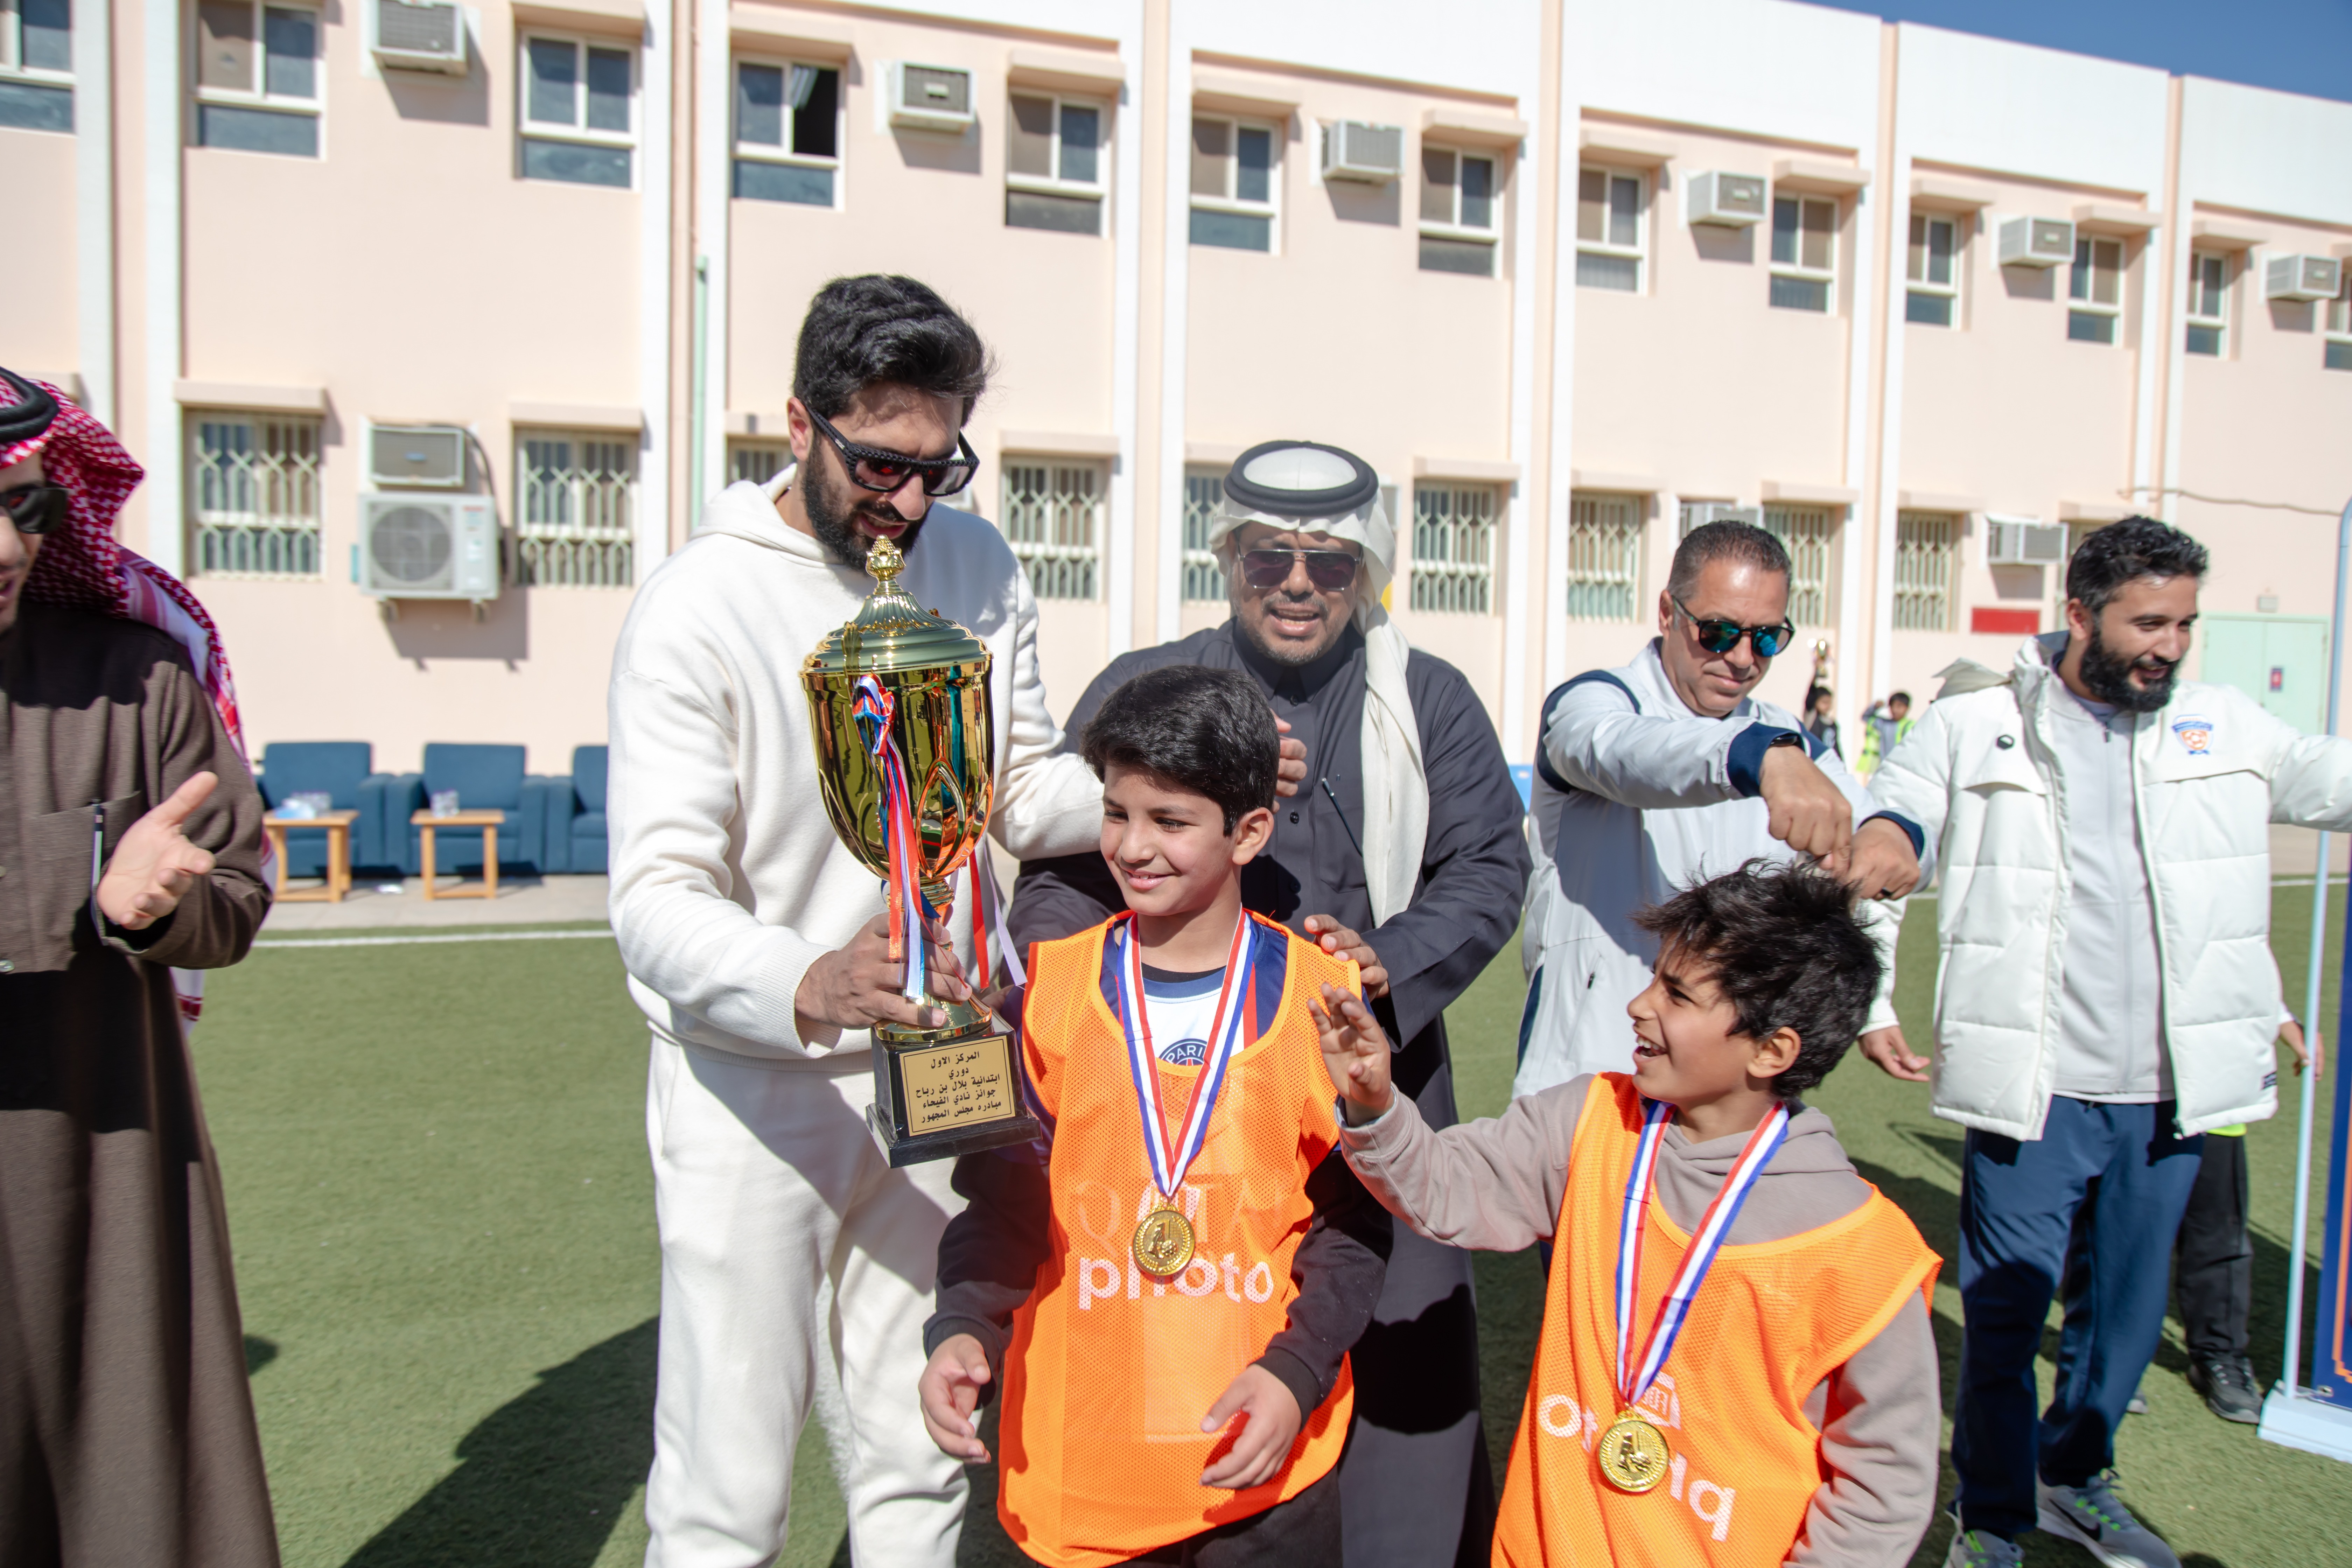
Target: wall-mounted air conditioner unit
pixel 2036 242
pixel 1699 514
pixel 2305 278
pixel 1355 151
pixel 2023 541
pixel 1734 201
pixel 426 457
pixel 428 547
pixel 930 98
pixel 420 36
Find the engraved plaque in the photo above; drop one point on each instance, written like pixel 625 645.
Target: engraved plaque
pixel 948 1086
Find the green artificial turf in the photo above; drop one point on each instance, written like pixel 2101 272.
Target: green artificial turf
pixel 443 1217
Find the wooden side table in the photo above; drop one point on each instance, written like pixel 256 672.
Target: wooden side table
pixel 338 881
pixel 490 822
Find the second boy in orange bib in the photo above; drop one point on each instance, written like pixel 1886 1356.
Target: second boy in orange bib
pixel 1736 1367
pixel 1169 1296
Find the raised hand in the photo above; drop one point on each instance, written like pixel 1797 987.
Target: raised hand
pixel 949 1388
pixel 1341 943
pixel 154 864
pixel 1808 813
pixel 1355 1053
pixel 1270 1419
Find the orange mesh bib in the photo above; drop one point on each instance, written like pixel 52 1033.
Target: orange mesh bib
pixel 1109 1374
pixel 1771 1319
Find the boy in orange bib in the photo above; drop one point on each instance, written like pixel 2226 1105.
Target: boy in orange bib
pixel 1736 1367
pixel 1169 1293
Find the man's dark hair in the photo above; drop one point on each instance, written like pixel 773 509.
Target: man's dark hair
pixel 1726 541
pixel 860 330
pixel 2122 552
pixel 1781 944
pixel 1206 732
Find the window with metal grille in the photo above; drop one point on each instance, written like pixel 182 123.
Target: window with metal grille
pixel 1052 518
pixel 253 494
pixel 1453 549
pixel 1204 490
pixel 758 461
pixel 1808 534
pixel 1926 555
pixel 575 509
pixel 1604 556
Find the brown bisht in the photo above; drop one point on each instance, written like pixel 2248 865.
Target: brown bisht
pixel 127 1435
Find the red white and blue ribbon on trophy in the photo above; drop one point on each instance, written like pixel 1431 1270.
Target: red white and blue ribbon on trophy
pixel 874 709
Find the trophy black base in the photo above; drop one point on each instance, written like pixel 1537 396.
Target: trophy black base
pixel 935 1101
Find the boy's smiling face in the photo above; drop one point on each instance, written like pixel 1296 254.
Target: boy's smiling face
pixel 1687 1048
pixel 1168 846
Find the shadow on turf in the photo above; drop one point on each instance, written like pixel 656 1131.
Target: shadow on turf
pixel 543 1479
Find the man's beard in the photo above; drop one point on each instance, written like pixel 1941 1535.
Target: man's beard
pixel 833 516
pixel 2109 676
pixel 1290 655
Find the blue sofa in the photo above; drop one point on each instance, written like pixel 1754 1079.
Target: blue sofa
pixel 343 770
pixel 575 814
pixel 485 777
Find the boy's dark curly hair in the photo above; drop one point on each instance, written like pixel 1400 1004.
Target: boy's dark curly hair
pixel 1781 944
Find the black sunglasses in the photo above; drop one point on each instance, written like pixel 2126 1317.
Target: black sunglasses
pixel 872 469
pixel 1329 570
pixel 1722 636
pixel 35 509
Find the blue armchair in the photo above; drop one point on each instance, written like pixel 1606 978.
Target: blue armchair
pixel 485 777
pixel 342 770
pixel 575 814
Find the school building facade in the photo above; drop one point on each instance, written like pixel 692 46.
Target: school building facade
pixel 435 323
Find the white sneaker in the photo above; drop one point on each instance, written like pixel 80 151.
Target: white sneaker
pixel 1980 1549
pixel 2091 1516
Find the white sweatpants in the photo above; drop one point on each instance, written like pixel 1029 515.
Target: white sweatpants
pixel 769 1190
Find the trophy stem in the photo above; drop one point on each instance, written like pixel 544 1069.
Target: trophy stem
pixel 966 1020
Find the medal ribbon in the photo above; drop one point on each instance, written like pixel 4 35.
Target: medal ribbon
pixel 1168 1166
pixel 874 709
pixel 1763 1144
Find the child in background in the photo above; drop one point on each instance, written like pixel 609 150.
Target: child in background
pixel 1169 1298
pixel 1736 1365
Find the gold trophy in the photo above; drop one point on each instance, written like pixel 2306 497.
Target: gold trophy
pixel 949 1090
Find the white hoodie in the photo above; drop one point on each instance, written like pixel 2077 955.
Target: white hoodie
pixel 727 879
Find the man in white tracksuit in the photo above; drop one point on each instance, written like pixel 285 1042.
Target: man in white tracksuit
pixel 756 943
pixel 1668 771
pixel 2106 994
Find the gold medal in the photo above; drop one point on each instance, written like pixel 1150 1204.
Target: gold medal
pixel 1632 1454
pixel 1163 1243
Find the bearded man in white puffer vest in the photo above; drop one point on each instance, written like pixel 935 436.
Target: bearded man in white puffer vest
pixel 2107 996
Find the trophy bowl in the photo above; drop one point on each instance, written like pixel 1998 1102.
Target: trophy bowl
pixel 949 1090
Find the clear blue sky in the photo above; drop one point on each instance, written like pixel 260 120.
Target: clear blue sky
pixel 2295 45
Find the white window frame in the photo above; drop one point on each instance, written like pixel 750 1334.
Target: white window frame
pixel 579 131
pixel 1453 228
pixel 1926 571
pixel 2084 304
pixel 1638 253
pixel 2196 313
pixel 1270 208
pixel 1926 222
pixel 2336 319
pixel 1057 183
pixel 12 49
pixel 279 478
pixel 1607 533
pixel 579 530
pixel 259 96
pixel 1826 276
pixel 1204 574
pixel 1061 570
pixel 1460 580
pixel 761 152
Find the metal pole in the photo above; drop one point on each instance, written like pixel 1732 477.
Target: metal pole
pixel 2310 1092
pixel 699 399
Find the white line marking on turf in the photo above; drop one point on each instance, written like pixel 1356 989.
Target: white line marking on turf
pixel 417 941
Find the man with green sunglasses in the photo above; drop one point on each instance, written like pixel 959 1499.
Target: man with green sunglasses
pixel 1670 770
